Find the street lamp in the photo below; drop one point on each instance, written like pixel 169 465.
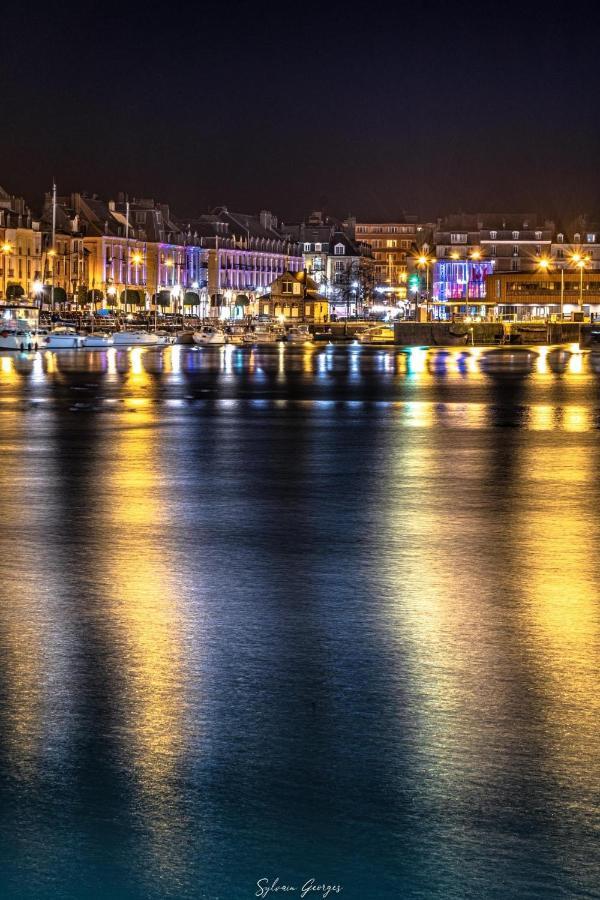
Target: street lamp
pixel 474 256
pixel 6 249
pixel 581 263
pixel 424 261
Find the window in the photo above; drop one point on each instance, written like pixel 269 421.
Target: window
pixel 458 238
pixel 317 248
pixel 577 238
pixel 492 250
pixel 297 288
pixel 538 250
pixel 306 248
pixel 493 235
pixel 560 238
pixel 538 235
pixel 515 265
pixel 287 287
pixel 307 309
pixel 391 243
pixel 339 249
pixel 140 218
pixel 515 251
pixel 265 309
pixel 590 238
pixel 515 235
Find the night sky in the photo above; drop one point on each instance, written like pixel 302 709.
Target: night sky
pixel 417 107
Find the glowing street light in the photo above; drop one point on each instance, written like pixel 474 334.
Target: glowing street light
pixel 6 249
pixel 424 261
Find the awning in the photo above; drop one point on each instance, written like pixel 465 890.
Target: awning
pixel 242 300
pixel 191 298
pixel 133 298
pixel 163 298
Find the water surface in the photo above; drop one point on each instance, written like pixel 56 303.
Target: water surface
pixel 328 612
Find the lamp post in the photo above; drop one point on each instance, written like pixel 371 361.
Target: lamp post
pixel 424 261
pixel 6 250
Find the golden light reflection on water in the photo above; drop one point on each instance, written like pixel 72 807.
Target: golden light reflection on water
pixel 562 613
pixel 145 614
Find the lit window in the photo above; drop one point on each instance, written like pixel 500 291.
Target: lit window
pixel 560 238
pixel 590 238
pixel 339 249
pixel 538 235
pixel 318 248
pixel 306 248
pixel 577 237
pixel 392 243
pixel 493 235
pixel 515 235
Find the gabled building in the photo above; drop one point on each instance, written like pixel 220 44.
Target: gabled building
pixel 294 296
pixel 20 249
pixel 245 254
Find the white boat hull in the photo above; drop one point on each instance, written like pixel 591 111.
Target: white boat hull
pixel 204 340
pixel 135 339
pixel 64 341
pixel 20 341
pixel 98 340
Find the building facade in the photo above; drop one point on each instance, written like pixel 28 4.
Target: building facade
pixel 395 246
pixel 294 296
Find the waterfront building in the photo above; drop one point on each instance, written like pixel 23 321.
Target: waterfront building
pixel 395 246
pixel 294 296
pixel 340 265
pixel 542 294
pixel 20 249
pixel 244 255
pixel 579 238
pixel 469 247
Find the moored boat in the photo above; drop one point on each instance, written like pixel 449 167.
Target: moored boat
pixel 379 334
pixel 261 334
pixel 98 339
pixel 298 334
pixel 209 335
pixel 135 338
pixel 64 338
pixel 19 327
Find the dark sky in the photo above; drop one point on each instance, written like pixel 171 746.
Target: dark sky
pixel 427 108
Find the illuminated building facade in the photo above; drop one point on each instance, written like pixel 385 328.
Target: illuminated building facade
pixel 294 296
pixel 20 249
pixel 538 294
pixel 394 246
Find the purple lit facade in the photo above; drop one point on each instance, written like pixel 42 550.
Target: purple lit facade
pixel 453 277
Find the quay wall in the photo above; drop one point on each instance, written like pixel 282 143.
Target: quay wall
pixel 448 334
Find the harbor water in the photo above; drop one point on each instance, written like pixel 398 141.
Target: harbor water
pixel 321 612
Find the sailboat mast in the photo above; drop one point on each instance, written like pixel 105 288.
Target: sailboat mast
pixel 126 251
pixel 53 248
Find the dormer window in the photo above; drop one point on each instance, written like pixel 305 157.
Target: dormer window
pixel 560 238
pixel 515 235
pixel 339 249
pixel 590 238
pixel 538 235
pixel 493 235
pixel 577 237
pixel 287 287
pixel 317 248
pixel 306 248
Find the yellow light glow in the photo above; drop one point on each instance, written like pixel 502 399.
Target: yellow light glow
pixel 543 264
pixel 169 263
pixel 476 254
pixel 455 255
pixel 576 257
pixel 7 248
pixel 51 252
pixel 136 258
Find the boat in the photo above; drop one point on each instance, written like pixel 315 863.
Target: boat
pixel 379 334
pixel 19 327
pixel 298 334
pixel 98 339
pixel 261 334
pixel 64 338
pixel 135 338
pixel 235 334
pixel 209 335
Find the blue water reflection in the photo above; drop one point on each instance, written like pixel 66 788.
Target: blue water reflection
pixel 324 612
